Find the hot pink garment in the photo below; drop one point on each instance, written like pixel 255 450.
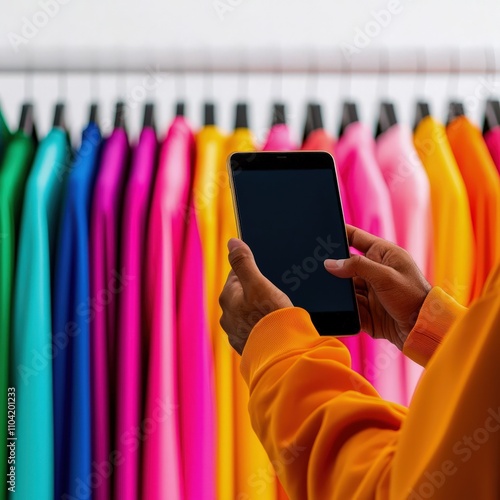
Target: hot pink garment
pixel 162 466
pixel 279 139
pixel 106 282
pixel 409 189
pixel 370 207
pixel 196 372
pixel 321 140
pixel 492 139
pixel 129 347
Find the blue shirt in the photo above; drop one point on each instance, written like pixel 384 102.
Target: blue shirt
pixel 72 400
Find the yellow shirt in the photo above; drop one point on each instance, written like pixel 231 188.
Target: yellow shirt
pixel 332 435
pixel 254 474
pixel 208 186
pixel 454 253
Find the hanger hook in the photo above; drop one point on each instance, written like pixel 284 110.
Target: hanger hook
pixel 454 73
pixel 243 76
pixel 345 83
pixel 313 74
pixel 383 72
pixel 208 75
pixel 277 76
pixel 421 73
pixel 491 66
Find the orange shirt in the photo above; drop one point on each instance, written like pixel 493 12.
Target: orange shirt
pixel 254 474
pixel 331 436
pixel 483 187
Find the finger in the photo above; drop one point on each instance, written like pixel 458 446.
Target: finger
pixel 360 285
pixel 364 314
pixel 231 286
pixel 358 265
pixel 363 241
pixel 243 263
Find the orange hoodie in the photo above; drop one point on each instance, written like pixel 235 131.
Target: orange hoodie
pixel 329 434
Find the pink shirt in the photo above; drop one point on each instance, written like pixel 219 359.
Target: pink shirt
pixel 279 139
pixel 162 466
pixel 370 208
pixel 196 371
pixel 321 140
pixel 129 347
pixel 409 192
pixel 106 282
pixel 492 139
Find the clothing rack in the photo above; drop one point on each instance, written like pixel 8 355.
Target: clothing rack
pixel 301 61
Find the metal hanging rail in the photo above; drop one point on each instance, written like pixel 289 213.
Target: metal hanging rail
pixel 326 61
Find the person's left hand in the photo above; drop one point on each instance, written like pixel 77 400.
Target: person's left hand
pixel 247 297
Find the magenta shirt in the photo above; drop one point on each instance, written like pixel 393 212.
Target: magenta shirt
pixel 492 139
pixel 278 139
pixel 409 191
pixel 196 372
pixel 106 283
pixel 129 347
pixel 369 204
pixel 179 398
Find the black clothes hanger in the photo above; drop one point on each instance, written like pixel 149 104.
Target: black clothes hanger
pixel 241 120
pixel 27 121
pixel 209 113
pixel 421 111
pixel 314 119
pixel 279 117
pixel 349 115
pixel 59 116
pixel 386 118
pixel 491 115
pixel 120 115
pixel 94 113
pixel 149 116
pixel 455 110
pixel 180 109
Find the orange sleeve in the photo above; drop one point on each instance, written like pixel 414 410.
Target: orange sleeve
pixel 438 313
pixel 329 435
pixel 327 431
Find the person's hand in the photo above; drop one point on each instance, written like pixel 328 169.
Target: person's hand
pixel 247 296
pixel 389 286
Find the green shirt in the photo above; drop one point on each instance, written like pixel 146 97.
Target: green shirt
pixel 14 170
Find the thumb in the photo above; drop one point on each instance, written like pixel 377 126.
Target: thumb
pixel 358 265
pixel 242 262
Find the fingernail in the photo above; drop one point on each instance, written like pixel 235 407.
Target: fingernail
pixel 233 243
pixel 334 263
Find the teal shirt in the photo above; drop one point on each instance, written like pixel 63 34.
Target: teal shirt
pixel 14 170
pixel 32 353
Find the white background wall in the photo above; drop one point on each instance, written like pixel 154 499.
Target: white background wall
pixel 105 31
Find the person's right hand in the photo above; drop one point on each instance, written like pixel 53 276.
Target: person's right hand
pixel 389 286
